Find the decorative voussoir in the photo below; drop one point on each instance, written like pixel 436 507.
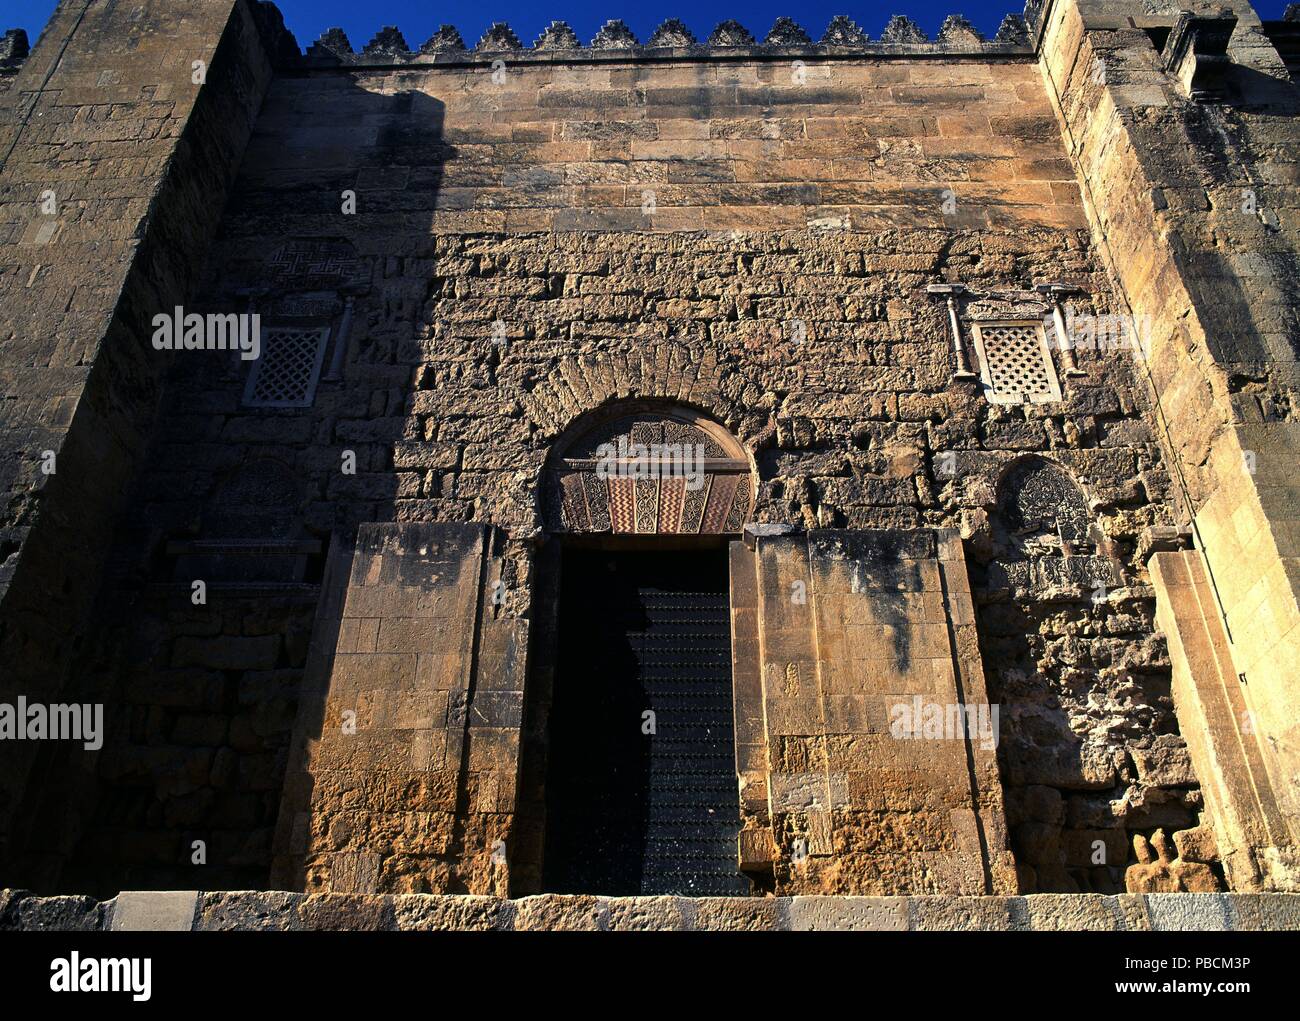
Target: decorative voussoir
pixel 446 40
pixel 557 36
pixel 902 29
pixel 843 31
pixel 499 36
pixel 787 32
pixel 731 33
pixel 614 35
pixel 672 33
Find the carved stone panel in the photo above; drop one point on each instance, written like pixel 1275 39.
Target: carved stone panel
pixel 650 472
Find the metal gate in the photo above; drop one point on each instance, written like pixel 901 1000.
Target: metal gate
pixel 641 787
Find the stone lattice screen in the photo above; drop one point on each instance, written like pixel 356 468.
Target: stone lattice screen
pixel 1015 363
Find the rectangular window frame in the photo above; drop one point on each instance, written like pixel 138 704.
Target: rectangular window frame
pixel 323 330
pixel 997 396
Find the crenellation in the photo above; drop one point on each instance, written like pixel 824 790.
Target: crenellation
pixel 957 31
pixel 729 34
pixel 786 32
pixel 672 33
pixel 615 41
pixel 901 29
pixel 447 39
pixel 13 49
pixel 557 36
pixel 335 40
pixel 614 35
pixel 498 37
pixel 842 31
pixel 13 52
pixel 1014 29
pixel 387 40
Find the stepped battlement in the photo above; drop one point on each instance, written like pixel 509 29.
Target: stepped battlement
pixel 673 40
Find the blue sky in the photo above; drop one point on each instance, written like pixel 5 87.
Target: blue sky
pixel 418 18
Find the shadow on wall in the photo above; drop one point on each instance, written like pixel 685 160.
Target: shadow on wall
pixel 245 487
pixel 1227 278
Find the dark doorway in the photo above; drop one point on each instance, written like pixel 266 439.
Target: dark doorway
pixel 630 812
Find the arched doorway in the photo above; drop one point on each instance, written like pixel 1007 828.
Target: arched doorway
pixel 631 740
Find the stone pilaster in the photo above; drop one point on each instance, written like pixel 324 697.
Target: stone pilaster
pixel 406 753
pixel 1251 835
pixel 881 743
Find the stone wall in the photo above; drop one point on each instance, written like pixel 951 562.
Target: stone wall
pixel 405 768
pixel 678 146
pixel 846 430
pixel 497 252
pixel 850 626
pixel 1190 177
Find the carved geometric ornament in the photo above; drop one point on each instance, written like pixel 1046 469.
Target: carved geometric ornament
pixel 1016 363
pixel 1037 495
pixel 286 374
pixel 650 471
pixel 312 264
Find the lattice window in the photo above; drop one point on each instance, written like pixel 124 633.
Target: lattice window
pixel 286 374
pixel 1016 363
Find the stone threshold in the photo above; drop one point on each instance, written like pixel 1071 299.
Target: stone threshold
pixel 177 911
